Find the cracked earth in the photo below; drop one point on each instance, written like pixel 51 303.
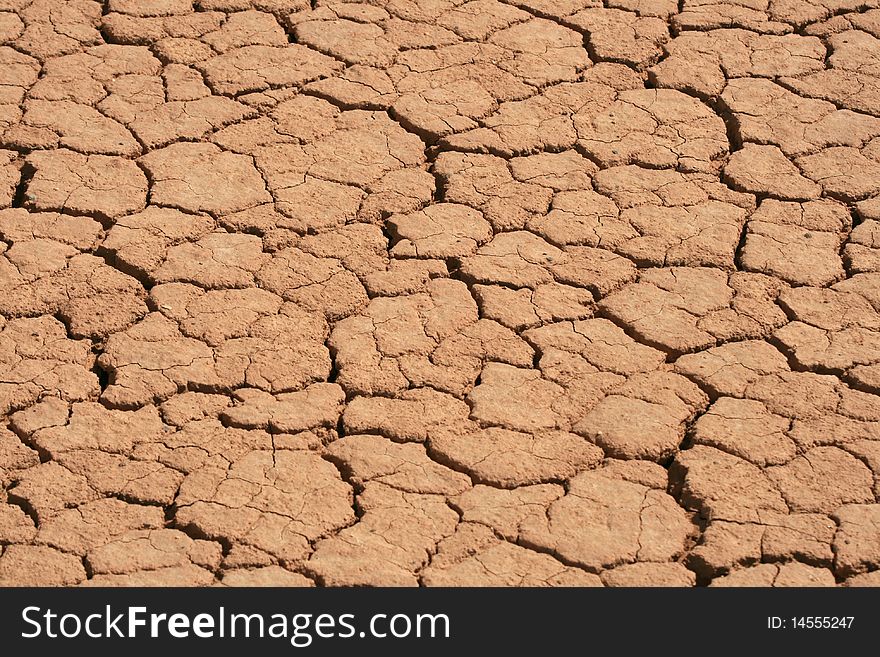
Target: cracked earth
pixel 440 292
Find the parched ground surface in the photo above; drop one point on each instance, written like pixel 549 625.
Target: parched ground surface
pixel 440 292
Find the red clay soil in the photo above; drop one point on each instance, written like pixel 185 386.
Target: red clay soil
pixel 440 292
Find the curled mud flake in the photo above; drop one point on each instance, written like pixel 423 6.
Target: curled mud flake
pixel 20 72
pixel 622 36
pixel 403 466
pixel 545 121
pixel 151 361
pixel 657 406
pixel 408 418
pixel 745 429
pixel 649 574
pixel 541 52
pixel 53 427
pixel 352 42
pixel 600 343
pixel 662 217
pixel 862 251
pixel 721 486
pixel 394 340
pixel 701 62
pixel 283 353
pixel 726 546
pixel 39 359
pixel 186 119
pixel 865 377
pixel 409 276
pixel 217 260
pixel 188 407
pixel 567 170
pixel 478 19
pixel 95 185
pixel 47 489
pixel 202 178
pixel 485 183
pixel 160 8
pixel 656 128
pixel 18 225
pixel 823 215
pixel 15 456
pixel 851 89
pixel 473 556
pixel 265 576
pixel 216 315
pixel 322 285
pixel 731 368
pixel 503 510
pixel 189 575
pixel 866 285
pixel 50 124
pixel 556 8
pixel 319 405
pixel 855 436
pixel 357 87
pixel 666 307
pixel 658 8
pixel 139 550
pixel 823 479
pixel 16 527
pixel 517 259
pixel 597 270
pixel 524 308
pixel 644 473
pixel 88 76
pixel 602 523
pixel 633 186
pixel 833 169
pixel 393 539
pixel 144 482
pixel 855 50
pixel 10 175
pixel 517 399
pixel 865 579
pixel 206 443
pixel 257 68
pixel 246 28
pixel 11 27
pixel 713 14
pixel 798 256
pixel 92 298
pixel 140 242
pixel 95 524
pixel 278 502
pixel 27 565
pixel 183 83
pixel 181 50
pixel 500 457
pixel 55 28
pixel 834 330
pixel 765 170
pixel 855 544
pixel 766 113
pixel 445 230
pixel 773 575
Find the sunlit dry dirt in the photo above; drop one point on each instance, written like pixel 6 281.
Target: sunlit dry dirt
pixel 440 292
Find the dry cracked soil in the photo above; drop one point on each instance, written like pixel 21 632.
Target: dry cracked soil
pixel 440 292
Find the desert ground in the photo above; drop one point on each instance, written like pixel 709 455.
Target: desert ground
pixel 440 292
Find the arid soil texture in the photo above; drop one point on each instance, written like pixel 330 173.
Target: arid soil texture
pixel 440 292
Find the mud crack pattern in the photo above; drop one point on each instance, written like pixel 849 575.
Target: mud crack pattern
pixel 440 292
